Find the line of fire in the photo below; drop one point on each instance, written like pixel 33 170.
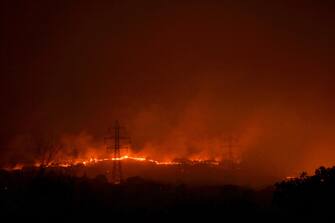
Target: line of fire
pixel 120 162
pixel 130 183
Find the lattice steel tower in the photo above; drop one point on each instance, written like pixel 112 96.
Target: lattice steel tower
pixel 230 143
pixel 115 141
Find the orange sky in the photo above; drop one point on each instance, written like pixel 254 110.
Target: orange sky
pixel 179 75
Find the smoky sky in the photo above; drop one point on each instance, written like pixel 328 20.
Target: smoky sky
pixel 178 74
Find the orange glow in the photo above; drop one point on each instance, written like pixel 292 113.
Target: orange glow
pixel 93 160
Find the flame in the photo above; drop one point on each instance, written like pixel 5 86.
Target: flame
pixel 94 160
pixel 290 178
pixel 127 157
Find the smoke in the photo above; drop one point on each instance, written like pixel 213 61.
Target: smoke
pixel 180 77
pixel 278 133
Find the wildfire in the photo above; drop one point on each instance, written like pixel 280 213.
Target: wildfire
pixel 127 157
pixel 92 161
pixel 290 178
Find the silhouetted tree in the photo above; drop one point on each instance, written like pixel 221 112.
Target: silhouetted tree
pixel 308 194
pixel 46 148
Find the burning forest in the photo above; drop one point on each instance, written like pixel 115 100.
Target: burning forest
pixel 116 151
pixel 222 107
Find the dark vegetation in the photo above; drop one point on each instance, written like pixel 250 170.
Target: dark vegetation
pixel 47 196
pixel 312 196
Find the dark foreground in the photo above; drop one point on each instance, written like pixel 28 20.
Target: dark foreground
pixel 51 196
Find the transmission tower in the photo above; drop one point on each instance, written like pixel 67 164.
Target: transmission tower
pixel 230 143
pixel 115 141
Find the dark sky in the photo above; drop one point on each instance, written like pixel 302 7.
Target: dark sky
pixel 179 74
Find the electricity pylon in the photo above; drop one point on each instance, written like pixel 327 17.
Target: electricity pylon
pixel 115 142
pixel 230 143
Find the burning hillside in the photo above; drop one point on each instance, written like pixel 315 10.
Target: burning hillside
pixel 93 161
